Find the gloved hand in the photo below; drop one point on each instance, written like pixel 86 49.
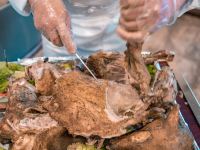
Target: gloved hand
pixel 139 18
pixel 52 19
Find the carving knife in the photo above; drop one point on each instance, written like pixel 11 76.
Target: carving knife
pixel 76 54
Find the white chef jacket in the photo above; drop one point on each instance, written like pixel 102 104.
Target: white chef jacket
pixel 94 24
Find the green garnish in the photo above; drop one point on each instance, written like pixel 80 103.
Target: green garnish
pixel 152 70
pixel 32 82
pixel 80 146
pixel 2 148
pixel 7 72
pixel 67 66
pixel 19 74
pixel 15 67
pixel 3 86
pixel 85 147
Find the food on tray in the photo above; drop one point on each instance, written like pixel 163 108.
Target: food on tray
pixel 6 71
pixel 130 106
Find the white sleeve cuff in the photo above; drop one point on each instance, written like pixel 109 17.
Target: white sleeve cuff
pixel 189 5
pixel 21 6
pixel 195 4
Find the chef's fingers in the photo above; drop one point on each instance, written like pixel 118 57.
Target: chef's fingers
pixel 146 23
pixel 131 37
pixel 136 3
pixel 45 34
pixel 66 37
pixel 55 38
pixel 131 25
pixel 124 4
pixel 131 3
pixel 132 14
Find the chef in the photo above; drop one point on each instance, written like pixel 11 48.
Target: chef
pixel 86 26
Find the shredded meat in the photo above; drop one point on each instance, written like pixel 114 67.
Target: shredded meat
pixel 137 68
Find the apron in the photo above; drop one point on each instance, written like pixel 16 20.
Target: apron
pixel 94 24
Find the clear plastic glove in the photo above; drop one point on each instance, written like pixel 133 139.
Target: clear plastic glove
pixel 139 18
pixel 52 19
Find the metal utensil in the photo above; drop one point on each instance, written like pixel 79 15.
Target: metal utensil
pixel 85 66
pixel 5 56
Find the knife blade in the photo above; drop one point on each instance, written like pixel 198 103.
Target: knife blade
pixel 76 54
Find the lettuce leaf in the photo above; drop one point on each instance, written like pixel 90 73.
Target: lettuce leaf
pixel 6 72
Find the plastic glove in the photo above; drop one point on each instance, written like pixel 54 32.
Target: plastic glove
pixel 139 18
pixel 52 19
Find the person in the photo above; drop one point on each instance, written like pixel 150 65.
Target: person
pixel 86 26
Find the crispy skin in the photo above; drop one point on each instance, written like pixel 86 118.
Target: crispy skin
pixel 160 55
pixel 113 66
pixel 127 69
pixel 110 66
pixel 54 139
pixel 165 86
pixel 137 69
pixel 21 96
pixel 24 117
pixel 80 105
pixel 44 75
pixel 51 139
pixel 160 134
pixel 24 142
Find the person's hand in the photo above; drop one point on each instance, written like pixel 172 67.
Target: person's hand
pixel 138 17
pixel 52 19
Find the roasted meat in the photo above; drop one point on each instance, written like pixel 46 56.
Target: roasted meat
pixel 125 69
pixel 44 75
pixel 55 138
pixel 125 108
pixel 88 107
pixel 109 65
pixel 137 68
pixel 163 134
pixel 24 118
pixel 128 69
pixel 160 55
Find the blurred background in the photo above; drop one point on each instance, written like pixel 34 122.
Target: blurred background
pixel 184 39
pixel 20 39
pixel 18 36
